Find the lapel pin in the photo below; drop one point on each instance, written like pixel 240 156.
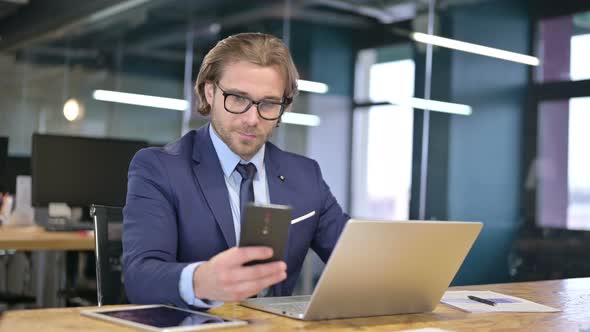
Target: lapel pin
pixel 282 178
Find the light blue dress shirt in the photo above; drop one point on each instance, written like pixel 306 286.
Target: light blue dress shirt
pixel 233 179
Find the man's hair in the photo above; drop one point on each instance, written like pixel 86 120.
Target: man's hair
pixel 257 48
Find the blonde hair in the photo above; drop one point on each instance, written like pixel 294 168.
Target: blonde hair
pixel 257 48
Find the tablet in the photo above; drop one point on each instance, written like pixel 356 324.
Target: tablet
pixel 162 318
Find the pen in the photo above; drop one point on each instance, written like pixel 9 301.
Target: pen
pixel 480 300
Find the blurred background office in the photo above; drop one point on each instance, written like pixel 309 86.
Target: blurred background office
pixel 403 129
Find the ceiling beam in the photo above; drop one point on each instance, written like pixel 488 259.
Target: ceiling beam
pixel 49 20
pixel 15 2
pixel 210 27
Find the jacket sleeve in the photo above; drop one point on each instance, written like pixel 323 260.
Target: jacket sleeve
pixel 331 220
pixel 150 234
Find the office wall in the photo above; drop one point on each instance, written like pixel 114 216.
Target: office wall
pixel 486 155
pixel 332 62
pixel 326 56
pixel 17 122
pixel 475 161
pixel 323 54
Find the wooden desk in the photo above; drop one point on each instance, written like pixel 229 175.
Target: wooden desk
pixel 33 238
pixel 572 296
pixel 48 259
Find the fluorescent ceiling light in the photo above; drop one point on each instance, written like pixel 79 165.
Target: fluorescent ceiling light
pixel 116 9
pixel 142 100
pixel 474 48
pixel 311 86
pixel 432 105
pixel 182 105
pixel 301 119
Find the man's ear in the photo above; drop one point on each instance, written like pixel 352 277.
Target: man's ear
pixel 209 92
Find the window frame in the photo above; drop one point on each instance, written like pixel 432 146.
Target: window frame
pixel 540 92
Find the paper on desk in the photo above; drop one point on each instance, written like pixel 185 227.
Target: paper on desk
pixel 504 303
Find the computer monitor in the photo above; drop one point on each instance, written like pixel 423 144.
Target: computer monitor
pixel 3 156
pixel 80 171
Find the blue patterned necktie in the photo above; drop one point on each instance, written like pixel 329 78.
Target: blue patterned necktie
pixel 247 171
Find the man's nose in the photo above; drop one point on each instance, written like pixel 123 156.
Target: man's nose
pixel 252 117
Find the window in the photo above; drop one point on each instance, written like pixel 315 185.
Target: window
pixel 563 194
pixel 564 48
pixel 382 148
pixel 563 131
pixel 578 213
pixel 579 58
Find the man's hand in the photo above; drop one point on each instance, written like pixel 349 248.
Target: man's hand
pixel 224 278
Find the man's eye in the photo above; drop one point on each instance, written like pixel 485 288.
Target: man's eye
pixel 239 99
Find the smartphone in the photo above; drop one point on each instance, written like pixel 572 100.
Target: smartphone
pixel 266 225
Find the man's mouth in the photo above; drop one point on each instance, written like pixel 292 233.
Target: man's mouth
pixel 247 135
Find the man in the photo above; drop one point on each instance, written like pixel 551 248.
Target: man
pixel 183 213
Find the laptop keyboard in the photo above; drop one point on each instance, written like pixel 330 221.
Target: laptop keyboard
pixel 298 307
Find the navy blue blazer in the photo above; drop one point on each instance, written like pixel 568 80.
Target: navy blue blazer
pixel 178 212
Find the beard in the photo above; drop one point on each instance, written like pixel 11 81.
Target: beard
pixel 244 147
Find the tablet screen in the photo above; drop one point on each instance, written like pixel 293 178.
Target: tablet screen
pixel 163 317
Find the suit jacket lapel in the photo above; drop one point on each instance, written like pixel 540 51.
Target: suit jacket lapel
pixel 209 175
pixel 278 192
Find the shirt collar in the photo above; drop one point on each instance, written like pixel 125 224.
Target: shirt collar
pixel 230 159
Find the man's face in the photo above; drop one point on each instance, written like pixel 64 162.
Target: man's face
pixel 244 133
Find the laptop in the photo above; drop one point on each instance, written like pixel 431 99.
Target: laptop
pixel 382 268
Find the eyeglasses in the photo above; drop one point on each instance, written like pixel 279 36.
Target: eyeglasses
pixel 238 104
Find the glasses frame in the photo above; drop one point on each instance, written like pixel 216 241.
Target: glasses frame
pixel 286 102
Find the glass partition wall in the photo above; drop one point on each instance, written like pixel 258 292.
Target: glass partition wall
pixel 434 110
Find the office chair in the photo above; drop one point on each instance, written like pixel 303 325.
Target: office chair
pixel 108 231
pixel 16 299
pixel 15 264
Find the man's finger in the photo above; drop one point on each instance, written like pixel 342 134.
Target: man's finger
pixel 238 256
pixel 249 288
pixel 258 271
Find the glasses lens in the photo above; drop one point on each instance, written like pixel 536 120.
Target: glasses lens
pixel 269 110
pixel 236 104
